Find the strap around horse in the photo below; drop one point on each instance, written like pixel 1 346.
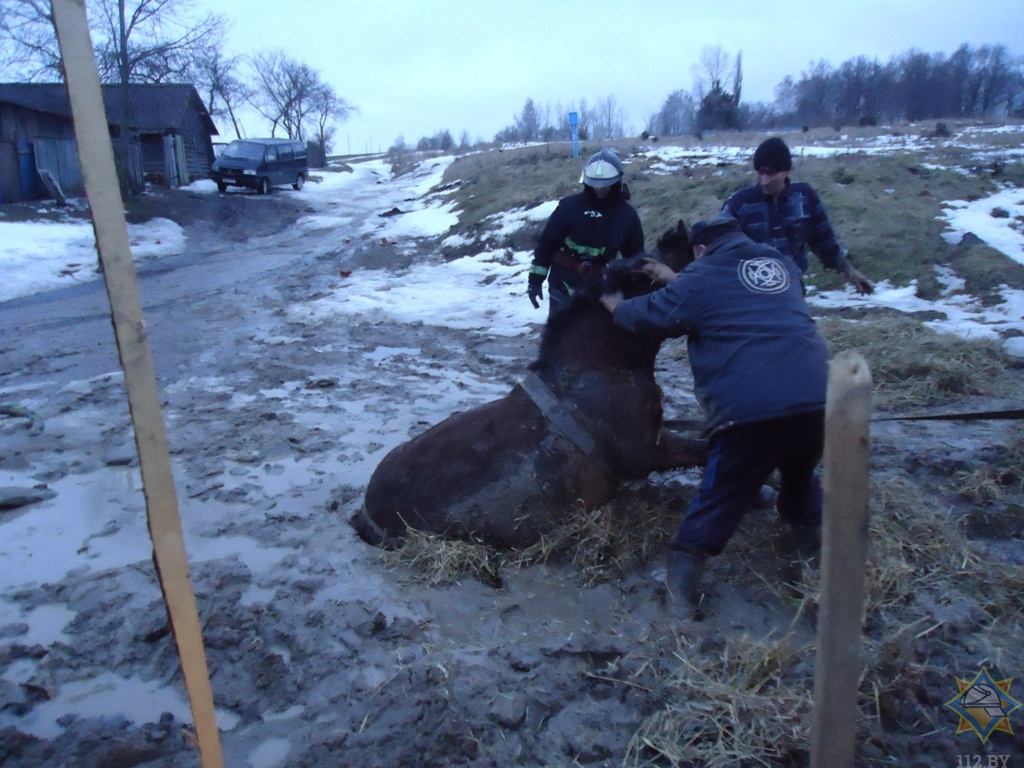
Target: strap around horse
pixel 563 421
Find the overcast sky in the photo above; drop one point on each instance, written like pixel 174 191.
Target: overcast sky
pixel 414 67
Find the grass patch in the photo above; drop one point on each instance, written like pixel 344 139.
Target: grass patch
pixel 914 366
pixel 885 208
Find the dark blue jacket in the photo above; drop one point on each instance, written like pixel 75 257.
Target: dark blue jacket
pixel 792 221
pixel 591 229
pixel 754 348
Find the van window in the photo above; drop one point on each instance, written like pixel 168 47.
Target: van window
pixel 244 149
pixel 271 155
pixel 285 153
pixel 300 151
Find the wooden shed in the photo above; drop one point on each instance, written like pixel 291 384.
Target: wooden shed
pixel 169 132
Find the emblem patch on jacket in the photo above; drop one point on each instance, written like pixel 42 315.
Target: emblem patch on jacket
pixel 764 275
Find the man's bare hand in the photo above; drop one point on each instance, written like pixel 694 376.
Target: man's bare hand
pixel 857 278
pixel 658 272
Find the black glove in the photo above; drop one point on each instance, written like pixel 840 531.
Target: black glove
pixel 536 290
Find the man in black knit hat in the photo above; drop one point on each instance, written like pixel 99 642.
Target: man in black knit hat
pixel 789 215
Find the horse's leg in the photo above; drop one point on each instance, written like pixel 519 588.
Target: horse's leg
pixel 673 451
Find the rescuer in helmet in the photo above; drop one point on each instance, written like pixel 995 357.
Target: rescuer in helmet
pixel 585 232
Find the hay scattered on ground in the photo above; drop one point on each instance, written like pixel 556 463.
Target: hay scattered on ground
pixel 739 707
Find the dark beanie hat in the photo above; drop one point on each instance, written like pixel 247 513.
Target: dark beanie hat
pixel 773 156
pixel 707 231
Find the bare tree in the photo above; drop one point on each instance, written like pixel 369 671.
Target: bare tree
pixel 282 85
pixel 218 81
pixel 31 51
pixel 608 119
pixel 138 40
pixel 718 107
pixel 786 95
pixel 997 79
pixel 152 41
pixel 149 41
pixel 676 116
pixel 583 128
pixel 329 109
pixel 711 70
pixel 290 93
pixel 816 95
pixel 527 123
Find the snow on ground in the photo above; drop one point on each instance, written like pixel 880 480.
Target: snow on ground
pixel 486 290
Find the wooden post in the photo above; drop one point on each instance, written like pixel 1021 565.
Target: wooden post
pixel 843 558
pixel 104 193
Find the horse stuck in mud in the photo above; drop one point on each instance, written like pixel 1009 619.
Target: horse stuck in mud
pixel 586 417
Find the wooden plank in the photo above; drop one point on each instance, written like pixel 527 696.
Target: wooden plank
pixel 104 195
pixel 843 559
pixel 53 186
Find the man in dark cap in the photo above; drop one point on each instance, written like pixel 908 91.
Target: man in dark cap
pixel 789 215
pixel 584 233
pixel 760 370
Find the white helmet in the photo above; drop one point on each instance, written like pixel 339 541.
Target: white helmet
pixel 603 169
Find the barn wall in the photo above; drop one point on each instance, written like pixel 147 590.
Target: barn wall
pixel 20 130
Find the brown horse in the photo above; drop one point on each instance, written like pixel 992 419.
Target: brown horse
pixel 586 417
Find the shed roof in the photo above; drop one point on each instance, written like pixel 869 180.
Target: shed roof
pixel 152 108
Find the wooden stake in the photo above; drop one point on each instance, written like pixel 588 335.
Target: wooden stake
pixel 102 189
pixel 843 558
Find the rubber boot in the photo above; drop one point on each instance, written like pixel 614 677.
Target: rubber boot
pixel 803 547
pixel 683 582
pixel 806 541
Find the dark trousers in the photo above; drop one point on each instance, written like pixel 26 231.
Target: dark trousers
pixel 740 461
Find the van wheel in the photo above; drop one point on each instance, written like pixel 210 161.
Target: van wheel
pixel 222 187
pixel 299 181
pixel 264 187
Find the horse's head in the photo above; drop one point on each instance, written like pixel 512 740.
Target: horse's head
pixel 624 276
pixel 673 247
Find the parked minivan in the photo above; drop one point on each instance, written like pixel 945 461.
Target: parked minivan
pixel 261 164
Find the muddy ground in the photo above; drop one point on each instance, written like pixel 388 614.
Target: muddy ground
pixel 320 652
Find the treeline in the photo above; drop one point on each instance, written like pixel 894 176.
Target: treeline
pixel 981 82
pixel 973 82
